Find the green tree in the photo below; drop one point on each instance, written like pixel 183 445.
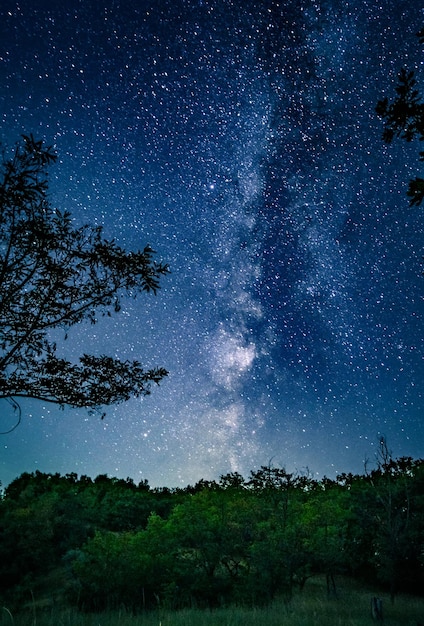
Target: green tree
pixel 199 528
pixel 393 512
pixel 135 569
pixel 105 571
pixel 26 541
pixel 278 559
pixel 325 517
pixel 121 506
pixel 53 276
pixel 404 118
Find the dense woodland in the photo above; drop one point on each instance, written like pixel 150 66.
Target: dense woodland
pixel 107 543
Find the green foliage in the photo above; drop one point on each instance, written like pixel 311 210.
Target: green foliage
pixel 244 542
pixel 53 276
pixel 396 517
pixel 108 572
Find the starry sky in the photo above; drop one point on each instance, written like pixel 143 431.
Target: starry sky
pixel 238 138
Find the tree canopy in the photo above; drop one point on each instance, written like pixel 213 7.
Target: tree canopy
pixel 54 275
pixel 404 118
pixel 109 543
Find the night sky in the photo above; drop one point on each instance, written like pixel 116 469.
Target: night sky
pixel 238 138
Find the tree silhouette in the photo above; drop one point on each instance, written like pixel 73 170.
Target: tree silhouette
pixel 404 118
pixel 53 275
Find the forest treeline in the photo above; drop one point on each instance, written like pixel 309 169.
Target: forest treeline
pixel 109 542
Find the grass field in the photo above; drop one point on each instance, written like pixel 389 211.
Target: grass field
pixel 309 608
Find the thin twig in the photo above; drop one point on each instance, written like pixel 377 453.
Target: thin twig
pixel 16 407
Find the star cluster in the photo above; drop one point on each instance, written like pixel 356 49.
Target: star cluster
pixel 240 140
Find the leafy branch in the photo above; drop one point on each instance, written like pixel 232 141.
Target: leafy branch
pixel 54 275
pixel 404 118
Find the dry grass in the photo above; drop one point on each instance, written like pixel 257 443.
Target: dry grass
pixel 310 608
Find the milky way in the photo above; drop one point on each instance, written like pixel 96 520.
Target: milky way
pixel 238 138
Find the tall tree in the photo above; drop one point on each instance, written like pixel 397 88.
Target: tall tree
pixel 404 118
pixel 53 276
